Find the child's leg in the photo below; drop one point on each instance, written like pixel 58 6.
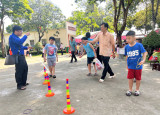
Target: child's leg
pixel 95 67
pixel 138 79
pixel 130 77
pixel 138 82
pixel 50 69
pixel 53 70
pixel 89 68
pixel 130 82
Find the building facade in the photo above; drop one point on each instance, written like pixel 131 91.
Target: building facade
pixel 60 35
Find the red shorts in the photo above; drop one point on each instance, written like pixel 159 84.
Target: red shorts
pixel 132 73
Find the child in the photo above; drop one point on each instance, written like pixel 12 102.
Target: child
pixel 133 52
pixel 91 54
pixel 51 51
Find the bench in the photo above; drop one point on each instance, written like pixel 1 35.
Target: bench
pixel 153 62
pixel 156 66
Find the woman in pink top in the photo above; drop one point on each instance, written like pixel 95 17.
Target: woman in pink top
pixel 107 48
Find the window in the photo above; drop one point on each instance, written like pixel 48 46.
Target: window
pixel 57 42
pixel 44 41
pixel 32 43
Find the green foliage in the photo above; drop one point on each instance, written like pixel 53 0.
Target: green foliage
pixel 143 18
pixel 38 47
pixel 88 18
pixel 15 9
pixel 9 28
pixel 46 16
pixel 27 44
pixel 152 40
pixel 157 54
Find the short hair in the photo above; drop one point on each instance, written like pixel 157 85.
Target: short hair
pixel 84 38
pixel 52 38
pixel 105 25
pixel 131 33
pixel 88 35
pixel 16 28
pixel 72 37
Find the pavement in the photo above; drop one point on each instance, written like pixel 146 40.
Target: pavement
pixel 88 96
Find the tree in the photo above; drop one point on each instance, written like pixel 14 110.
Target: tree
pixel 38 47
pixel 154 12
pixel 151 42
pixel 143 18
pixel 88 18
pixel 13 9
pixel 45 16
pixel 121 10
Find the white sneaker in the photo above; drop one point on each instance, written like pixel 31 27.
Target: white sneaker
pixel 110 77
pixel 101 80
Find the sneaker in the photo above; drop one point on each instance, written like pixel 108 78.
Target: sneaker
pixel 136 93
pixel 95 74
pixel 54 76
pixel 101 80
pixel 89 74
pixel 50 76
pixel 76 61
pixel 128 93
pixel 70 62
pixel 110 77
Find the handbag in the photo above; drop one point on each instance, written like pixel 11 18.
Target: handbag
pixel 11 59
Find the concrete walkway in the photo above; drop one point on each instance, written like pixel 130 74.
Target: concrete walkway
pixel 88 96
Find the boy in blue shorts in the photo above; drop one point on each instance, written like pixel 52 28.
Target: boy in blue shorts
pixel 51 51
pixel 135 61
pixel 91 55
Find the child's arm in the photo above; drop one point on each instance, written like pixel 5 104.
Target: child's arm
pixel 126 61
pixel 93 50
pixel 144 58
pixel 82 54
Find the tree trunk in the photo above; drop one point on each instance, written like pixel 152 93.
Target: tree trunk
pixel 2 41
pixel 2 37
pixel 119 40
pixel 2 31
pixel 146 20
pixel 153 15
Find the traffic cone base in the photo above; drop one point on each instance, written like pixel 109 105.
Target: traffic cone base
pixel 45 82
pixel 69 111
pixel 50 94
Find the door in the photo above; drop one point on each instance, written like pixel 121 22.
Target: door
pixel 57 42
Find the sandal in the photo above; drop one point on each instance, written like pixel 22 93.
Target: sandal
pixel 136 93
pixel 89 74
pixel 54 76
pixel 50 76
pixel 95 74
pixel 21 88
pixel 128 93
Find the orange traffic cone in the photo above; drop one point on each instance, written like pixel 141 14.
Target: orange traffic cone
pixel 45 77
pixel 69 109
pixel 50 93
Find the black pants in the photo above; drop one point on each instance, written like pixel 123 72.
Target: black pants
pixel 107 67
pixel 61 51
pixel 98 56
pixel 73 56
pixel 21 71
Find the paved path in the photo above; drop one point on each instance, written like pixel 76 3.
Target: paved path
pixel 88 96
